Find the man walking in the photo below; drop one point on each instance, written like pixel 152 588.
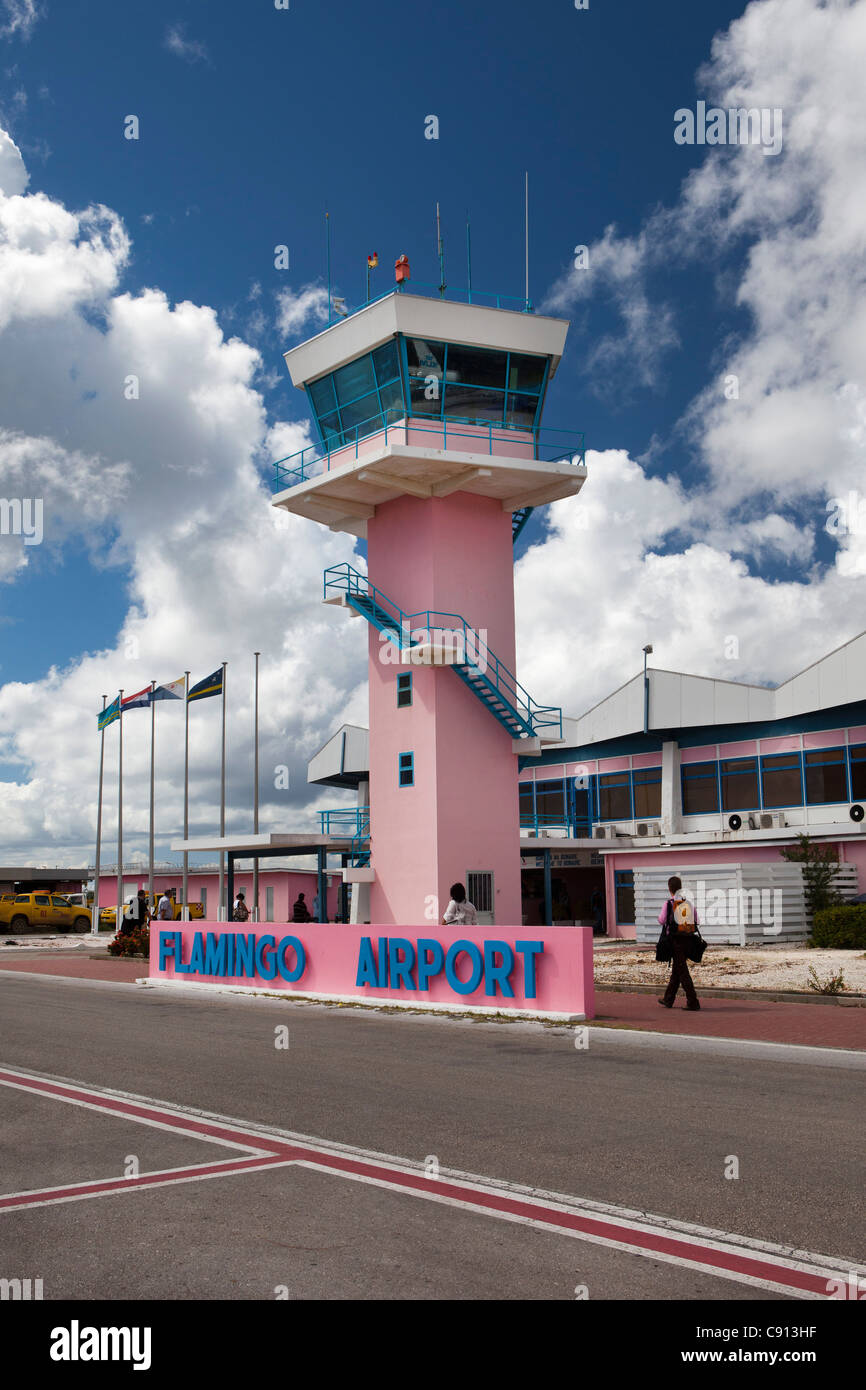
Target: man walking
pixel 679 920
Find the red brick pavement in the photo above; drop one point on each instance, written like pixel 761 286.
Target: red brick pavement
pixel 761 1020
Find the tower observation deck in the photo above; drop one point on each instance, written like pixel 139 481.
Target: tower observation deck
pixel 431 448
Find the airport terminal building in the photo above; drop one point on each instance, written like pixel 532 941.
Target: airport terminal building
pixel 704 777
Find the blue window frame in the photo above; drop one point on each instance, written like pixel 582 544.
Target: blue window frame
pixel 623 885
pixel 857 755
pixel 700 788
pixel 647 792
pixel 782 780
pixel 826 776
pixel 614 796
pixel 581 807
pixel 404 689
pixel 360 397
pixel 478 385
pixel 406 770
pixel 739 783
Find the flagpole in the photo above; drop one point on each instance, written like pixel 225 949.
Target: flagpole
pixel 223 799
pixel 120 812
pixel 185 907
pixel 152 752
pixel 94 926
pixel 256 797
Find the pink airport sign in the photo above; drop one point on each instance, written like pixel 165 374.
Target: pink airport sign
pixel 538 970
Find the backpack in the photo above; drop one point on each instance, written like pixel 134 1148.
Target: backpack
pixel 683 915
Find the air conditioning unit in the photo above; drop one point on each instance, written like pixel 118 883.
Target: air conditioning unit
pixel 648 828
pixel 767 820
pixel 604 832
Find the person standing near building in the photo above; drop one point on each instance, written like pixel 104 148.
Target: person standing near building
pixel 596 907
pixel 678 920
pixel 135 915
pixel 165 908
pixel 300 911
pixel 459 912
pixel 240 912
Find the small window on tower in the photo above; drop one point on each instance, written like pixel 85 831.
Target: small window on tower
pixel 404 689
pixel 407 770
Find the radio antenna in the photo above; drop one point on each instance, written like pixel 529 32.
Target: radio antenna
pixel 526 228
pixel 468 257
pixel 441 251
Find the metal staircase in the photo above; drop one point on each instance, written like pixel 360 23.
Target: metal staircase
pixel 470 658
pixel 518 521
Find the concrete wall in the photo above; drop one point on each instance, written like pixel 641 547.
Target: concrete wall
pixel 454 555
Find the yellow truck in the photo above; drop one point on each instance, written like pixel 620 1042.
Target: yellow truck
pixel 21 912
pixel 108 915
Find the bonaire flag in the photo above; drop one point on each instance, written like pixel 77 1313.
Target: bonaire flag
pixel 173 690
pixel 211 685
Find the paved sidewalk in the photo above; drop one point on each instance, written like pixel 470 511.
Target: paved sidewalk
pixel 78 968
pixel 757 1020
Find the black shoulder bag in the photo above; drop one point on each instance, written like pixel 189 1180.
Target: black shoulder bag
pixel 664 946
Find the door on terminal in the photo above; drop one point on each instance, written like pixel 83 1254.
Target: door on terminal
pixel 479 891
pixel 580 807
pixel 571 894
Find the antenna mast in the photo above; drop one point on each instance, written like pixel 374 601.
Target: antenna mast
pixel 468 257
pixel 526 226
pixel 441 250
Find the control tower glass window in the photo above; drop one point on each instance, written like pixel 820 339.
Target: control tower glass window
pixel 359 398
pixel 474 385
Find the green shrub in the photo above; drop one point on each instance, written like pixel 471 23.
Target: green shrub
pixel 843 928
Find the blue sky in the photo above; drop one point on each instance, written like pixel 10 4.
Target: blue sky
pixel 702 518
pixel 273 116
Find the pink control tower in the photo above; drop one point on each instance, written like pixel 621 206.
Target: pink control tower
pixel 432 450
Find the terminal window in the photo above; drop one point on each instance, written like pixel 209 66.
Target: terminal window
pixel 624 889
pixel 614 796
pixel 647 791
pixel 858 772
pixel 781 780
pixel 739 778
pixel 700 782
pixel 826 776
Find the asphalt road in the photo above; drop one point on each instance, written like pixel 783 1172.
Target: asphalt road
pixel 627 1122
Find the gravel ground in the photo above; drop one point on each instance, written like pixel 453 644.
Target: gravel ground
pixel 48 943
pixel 735 967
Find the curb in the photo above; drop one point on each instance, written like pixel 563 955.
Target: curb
pixel 851 1001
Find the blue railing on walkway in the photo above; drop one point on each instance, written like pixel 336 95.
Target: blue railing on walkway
pixel 542 826
pixel 568 446
pixel 345 822
pixel 451 633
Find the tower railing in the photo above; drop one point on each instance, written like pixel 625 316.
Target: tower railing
pixel 448 634
pixel 424 290
pixel 543 443
pixel 345 822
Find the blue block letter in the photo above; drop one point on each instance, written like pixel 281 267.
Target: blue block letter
pixel 472 951
pixel 428 947
pixel 498 974
pixel 529 950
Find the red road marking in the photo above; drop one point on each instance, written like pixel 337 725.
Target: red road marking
pixel 712 1252
pixel 169 1175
